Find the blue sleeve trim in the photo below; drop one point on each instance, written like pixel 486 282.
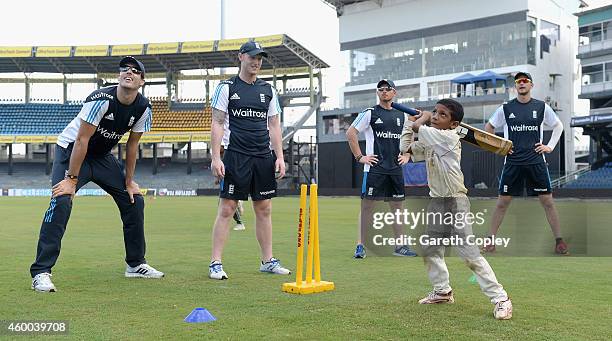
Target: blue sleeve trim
pixel 95 110
pixel 216 94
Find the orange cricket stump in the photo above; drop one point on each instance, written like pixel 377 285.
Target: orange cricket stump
pixel 313 260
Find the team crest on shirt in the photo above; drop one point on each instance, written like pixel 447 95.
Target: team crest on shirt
pixel 262 98
pixel 398 122
pixel 131 123
pixel 535 114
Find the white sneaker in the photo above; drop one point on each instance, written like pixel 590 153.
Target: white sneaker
pixel 42 283
pixel 215 271
pixel 436 298
pixel 503 310
pixel 274 266
pixel 144 270
pixel 239 227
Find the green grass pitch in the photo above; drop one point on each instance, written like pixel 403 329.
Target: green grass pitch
pixel 557 298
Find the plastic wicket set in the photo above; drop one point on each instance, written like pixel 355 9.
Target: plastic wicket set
pixel 313 260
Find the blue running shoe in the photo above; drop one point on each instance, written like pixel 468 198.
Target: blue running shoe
pixel 360 252
pixel 404 251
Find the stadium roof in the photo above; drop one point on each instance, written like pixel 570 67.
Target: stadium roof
pixel 339 4
pixel 283 52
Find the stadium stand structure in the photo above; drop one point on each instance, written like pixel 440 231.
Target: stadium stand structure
pixel 598 178
pixel 36 118
pixel 180 117
pixel 51 119
pixel 177 123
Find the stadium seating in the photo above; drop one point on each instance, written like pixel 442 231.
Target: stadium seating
pixel 600 178
pixel 51 118
pixel 180 117
pixel 36 118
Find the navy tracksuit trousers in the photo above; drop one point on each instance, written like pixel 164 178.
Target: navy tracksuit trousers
pixel 106 172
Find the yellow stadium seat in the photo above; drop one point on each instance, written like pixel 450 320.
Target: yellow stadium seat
pixel 178 121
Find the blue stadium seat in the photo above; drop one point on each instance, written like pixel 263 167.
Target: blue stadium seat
pixel 36 118
pixel 600 178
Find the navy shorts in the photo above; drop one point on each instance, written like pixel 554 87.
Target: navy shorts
pixel 388 187
pixel 248 175
pixel 516 178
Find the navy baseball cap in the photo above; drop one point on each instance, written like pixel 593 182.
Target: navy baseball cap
pixel 253 48
pixel 522 74
pixel 386 81
pixel 129 60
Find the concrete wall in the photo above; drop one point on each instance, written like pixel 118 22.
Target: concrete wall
pixel 367 20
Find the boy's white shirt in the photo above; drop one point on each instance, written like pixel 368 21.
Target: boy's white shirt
pixel 441 150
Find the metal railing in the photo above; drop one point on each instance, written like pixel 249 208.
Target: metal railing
pixel 595 46
pixel 596 87
pixel 569 177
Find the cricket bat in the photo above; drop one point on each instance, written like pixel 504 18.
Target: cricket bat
pixel 472 135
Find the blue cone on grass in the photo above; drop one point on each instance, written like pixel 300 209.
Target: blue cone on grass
pixel 199 315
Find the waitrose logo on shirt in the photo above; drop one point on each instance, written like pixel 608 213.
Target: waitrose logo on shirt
pixel 249 113
pixel 387 135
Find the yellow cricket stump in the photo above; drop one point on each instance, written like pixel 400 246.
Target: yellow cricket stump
pixel 313 260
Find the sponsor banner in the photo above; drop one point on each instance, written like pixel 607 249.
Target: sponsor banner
pixel 269 41
pixel 91 192
pixel 286 71
pixel 150 75
pixel 164 192
pixel 148 191
pixel 7 139
pixel 146 138
pixel 30 139
pixel 15 51
pixel 46 192
pixel 162 48
pixel 176 138
pixel 197 46
pixel 231 44
pixel 18 192
pixel 205 137
pixel 149 138
pixel 53 51
pixel 127 50
pixel 91 51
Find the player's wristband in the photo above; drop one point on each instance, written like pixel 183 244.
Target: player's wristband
pixel 358 157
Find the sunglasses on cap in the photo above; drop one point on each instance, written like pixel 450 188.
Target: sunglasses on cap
pixel 130 68
pixel 385 89
pixel 522 81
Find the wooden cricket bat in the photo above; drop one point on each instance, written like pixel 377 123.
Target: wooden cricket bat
pixel 484 140
pixel 469 134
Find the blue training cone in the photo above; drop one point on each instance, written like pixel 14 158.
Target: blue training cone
pixel 199 315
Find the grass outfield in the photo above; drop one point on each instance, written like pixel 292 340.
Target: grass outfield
pixel 554 297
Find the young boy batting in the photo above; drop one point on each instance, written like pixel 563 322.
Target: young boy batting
pixel 439 145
